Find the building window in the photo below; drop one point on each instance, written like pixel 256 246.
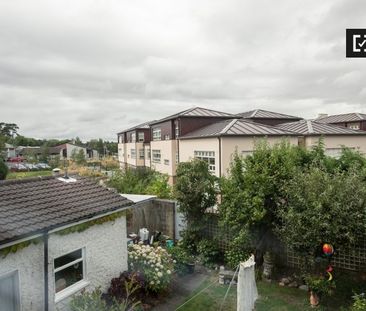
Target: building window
pixel 69 269
pixel 148 153
pixel 209 157
pixel 354 126
pixel 157 134
pixel 133 137
pixel 120 139
pixel 133 153
pixel 176 130
pixel 166 161
pixel 9 291
pixel 166 137
pixel 156 156
pixel 141 136
pixel 176 157
pixel 141 154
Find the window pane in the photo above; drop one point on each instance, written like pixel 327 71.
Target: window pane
pixel 69 276
pixel 8 294
pixel 63 260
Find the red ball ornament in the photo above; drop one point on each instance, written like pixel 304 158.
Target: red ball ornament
pixel 328 249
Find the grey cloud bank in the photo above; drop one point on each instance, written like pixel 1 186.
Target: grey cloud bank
pixel 92 68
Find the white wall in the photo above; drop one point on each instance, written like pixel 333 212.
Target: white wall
pixel 106 258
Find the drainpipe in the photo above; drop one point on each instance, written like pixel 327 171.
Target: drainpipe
pixel 219 138
pixel 45 269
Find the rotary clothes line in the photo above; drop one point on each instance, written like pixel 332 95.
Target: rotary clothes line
pixel 247 288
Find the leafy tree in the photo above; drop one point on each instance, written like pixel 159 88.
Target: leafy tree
pixel 195 192
pixel 8 129
pixel 321 207
pixel 3 170
pixel 159 186
pixel 79 157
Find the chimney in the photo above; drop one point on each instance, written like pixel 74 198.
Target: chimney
pixel 56 172
pixel 322 115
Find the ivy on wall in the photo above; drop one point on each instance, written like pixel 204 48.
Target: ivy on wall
pixel 77 228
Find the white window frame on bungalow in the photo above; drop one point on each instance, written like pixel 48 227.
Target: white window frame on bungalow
pixel 156 156
pixel 157 133
pixel 133 153
pixel 133 137
pixel 207 156
pixel 141 154
pixel 354 126
pixel 77 286
pixel 14 275
pixel 141 137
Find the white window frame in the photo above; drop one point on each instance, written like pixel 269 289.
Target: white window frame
pixel 206 156
pixel 133 137
pixel 154 159
pixel 157 133
pixel 354 126
pixel 15 274
pixel 141 154
pixel 141 136
pixel 246 153
pixel 166 161
pixel 72 289
pixel 166 137
pixel 133 153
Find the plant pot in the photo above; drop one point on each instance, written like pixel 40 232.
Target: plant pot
pixel 314 299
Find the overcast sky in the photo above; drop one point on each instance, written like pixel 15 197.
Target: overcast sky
pixel 92 68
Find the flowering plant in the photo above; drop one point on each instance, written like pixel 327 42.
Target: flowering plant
pixel 154 262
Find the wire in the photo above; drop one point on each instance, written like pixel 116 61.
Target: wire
pixel 196 295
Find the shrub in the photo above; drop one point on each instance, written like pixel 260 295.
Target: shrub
pixel 119 291
pixel 359 303
pixel 154 263
pixel 209 252
pixel 319 285
pixel 3 170
pixel 239 250
pixel 181 259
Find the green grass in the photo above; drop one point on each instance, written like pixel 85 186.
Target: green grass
pixel 271 298
pixel 20 175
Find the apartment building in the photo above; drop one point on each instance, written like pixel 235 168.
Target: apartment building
pixel 267 117
pixel 355 121
pixel 217 143
pixel 334 137
pixel 134 146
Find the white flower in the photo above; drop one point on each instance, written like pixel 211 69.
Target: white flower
pixel 168 271
pixel 160 274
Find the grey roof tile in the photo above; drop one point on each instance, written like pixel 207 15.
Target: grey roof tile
pixel 342 118
pixel 264 114
pixel 32 205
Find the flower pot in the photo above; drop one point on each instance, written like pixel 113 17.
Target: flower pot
pixel 314 299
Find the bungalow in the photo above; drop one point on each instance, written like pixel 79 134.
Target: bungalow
pixel 58 235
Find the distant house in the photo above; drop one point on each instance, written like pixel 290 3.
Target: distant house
pixel 67 150
pixel 57 237
pixel 267 117
pixel 334 137
pixel 9 151
pixel 216 143
pixel 355 121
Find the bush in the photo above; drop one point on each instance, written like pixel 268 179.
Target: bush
pixel 181 259
pixel 239 250
pixel 154 263
pixel 118 289
pixel 3 170
pixel 359 303
pixel 319 285
pixel 209 252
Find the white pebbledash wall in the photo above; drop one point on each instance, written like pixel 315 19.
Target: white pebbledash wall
pixel 106 257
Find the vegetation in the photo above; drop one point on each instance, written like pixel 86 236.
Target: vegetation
pixel 195 192
pixel 208 252
pixel 181 259
pixel 3 170
pixel 141 181
pixel 21 175
pixel 359 303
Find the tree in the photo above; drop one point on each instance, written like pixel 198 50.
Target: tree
pixel 195 192
pixel 159 186
pixel 8 129
pixel 79 157
pixel 320 207
pixel 3 170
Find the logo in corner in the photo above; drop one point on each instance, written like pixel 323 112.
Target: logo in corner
pixel 355 42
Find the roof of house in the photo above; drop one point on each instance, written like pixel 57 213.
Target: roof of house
pixel 196 112
pixel 310 127
pixel 264 114
pixel 238 127
pixel 341 118
pixel 31 206
pixel 145 125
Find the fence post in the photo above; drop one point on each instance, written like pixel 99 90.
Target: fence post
pixel 247 288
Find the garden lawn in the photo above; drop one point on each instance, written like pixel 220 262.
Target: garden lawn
pixel 272 298
pixel 20 175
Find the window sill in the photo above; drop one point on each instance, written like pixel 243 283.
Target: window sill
pixel 67 292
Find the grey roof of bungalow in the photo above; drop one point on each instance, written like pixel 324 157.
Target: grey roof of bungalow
pixel 311 127
pixel 238 127
pixel 265 114
pixel 196 112
pixel 342 118
pixel 35 205
pixel 145 125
